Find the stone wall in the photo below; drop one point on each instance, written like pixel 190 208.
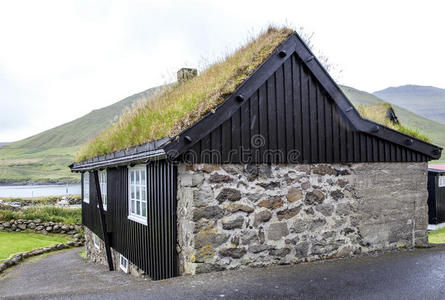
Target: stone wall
pixel 98 255
pixel 37 226
pixel 234 216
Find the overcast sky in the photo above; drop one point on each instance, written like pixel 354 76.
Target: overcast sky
pixel 61 59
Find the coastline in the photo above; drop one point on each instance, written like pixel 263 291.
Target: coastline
pixel 36 183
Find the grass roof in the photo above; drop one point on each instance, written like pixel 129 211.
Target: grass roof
pixel 378 114
pixel 181 105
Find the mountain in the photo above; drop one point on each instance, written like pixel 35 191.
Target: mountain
pixel 426 101
pixel 43 158
pixel 434 130
pixel 3 143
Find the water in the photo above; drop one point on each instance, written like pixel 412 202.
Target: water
pixel 39 190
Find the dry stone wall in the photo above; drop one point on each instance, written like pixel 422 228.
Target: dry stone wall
pixel 37 226
pixel 98 255
pixel 233 216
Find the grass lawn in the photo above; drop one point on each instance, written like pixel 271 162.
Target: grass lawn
pixel 15 242
pixel 47 213
pixel 437 236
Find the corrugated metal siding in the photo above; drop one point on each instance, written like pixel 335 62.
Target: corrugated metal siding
pixel 294 121
pixel 432 196
pixel 436 199
pixel 440 200
pixel 152 248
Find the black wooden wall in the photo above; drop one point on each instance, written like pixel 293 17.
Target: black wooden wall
pixel 290 119
pixel 90 212
pixel 153 247
pixel 436 199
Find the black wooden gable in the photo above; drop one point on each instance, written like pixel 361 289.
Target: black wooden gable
pixel 288 111
pixel 291 111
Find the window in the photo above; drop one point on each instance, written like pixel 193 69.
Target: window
pixel 96 241
pixel 86 187
pixel 103 187
pixel 441 180
pixel 123 263
pixel 137 194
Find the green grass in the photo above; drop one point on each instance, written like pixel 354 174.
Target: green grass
pixel 16 242
pixel 434 130
pixel 426 101
pixel 45 213
pixel 378 113
pixel 183 104
pixel 49 200
pixel 44 158
pixel 437 236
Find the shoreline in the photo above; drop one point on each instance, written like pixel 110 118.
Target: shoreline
pixel 37 183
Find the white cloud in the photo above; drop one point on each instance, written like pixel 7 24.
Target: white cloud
pixel 61 59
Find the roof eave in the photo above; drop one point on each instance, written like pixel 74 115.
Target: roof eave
pixel 122 161
pixel 133 155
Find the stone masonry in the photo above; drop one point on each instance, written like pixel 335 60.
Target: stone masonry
pixel 98 255
pixel 234 216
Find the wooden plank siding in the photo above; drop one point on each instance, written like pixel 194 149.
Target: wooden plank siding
pixel 153 247
pixel 295 117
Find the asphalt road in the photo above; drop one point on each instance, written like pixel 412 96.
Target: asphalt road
pixel 418 274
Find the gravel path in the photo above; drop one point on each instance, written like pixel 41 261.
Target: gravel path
pixel 417 274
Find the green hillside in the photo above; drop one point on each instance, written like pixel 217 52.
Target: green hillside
pixel 44 158
pixel 434 130
pixel 426 101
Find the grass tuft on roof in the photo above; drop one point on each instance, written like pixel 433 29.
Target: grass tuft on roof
pixel 378 114
pixel 181 105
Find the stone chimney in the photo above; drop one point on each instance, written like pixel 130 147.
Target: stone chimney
pixel 185 74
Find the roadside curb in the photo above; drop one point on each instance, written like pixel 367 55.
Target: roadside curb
pixel 17 258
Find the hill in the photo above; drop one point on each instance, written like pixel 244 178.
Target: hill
pixel 43 158
pixel 434 130
pixel 426 101
pixel 2 144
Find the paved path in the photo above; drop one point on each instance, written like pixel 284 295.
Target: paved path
pixel 417 274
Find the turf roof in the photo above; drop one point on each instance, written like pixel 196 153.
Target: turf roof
pixel 181 105
pixel 378 114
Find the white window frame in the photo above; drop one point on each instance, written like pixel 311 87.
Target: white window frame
pixel 96 241
pixel 123 263
pixel 86 187
pixel 441 180
pixel 135 187
pixel 103 187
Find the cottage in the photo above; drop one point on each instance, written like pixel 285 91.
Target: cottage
pixel 282 170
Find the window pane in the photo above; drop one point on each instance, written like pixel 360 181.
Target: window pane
pixel 144 209
pixel 131 176
pixel 137 177
pixel 138 196
pixel 132 192
pixel 138 207
pixel 143 177
pixel 132 207
pixel 143 193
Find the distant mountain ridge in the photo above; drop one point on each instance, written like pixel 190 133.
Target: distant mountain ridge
pixel 426 101
pixel 3 143
pixel 43 158
pixel 433 129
